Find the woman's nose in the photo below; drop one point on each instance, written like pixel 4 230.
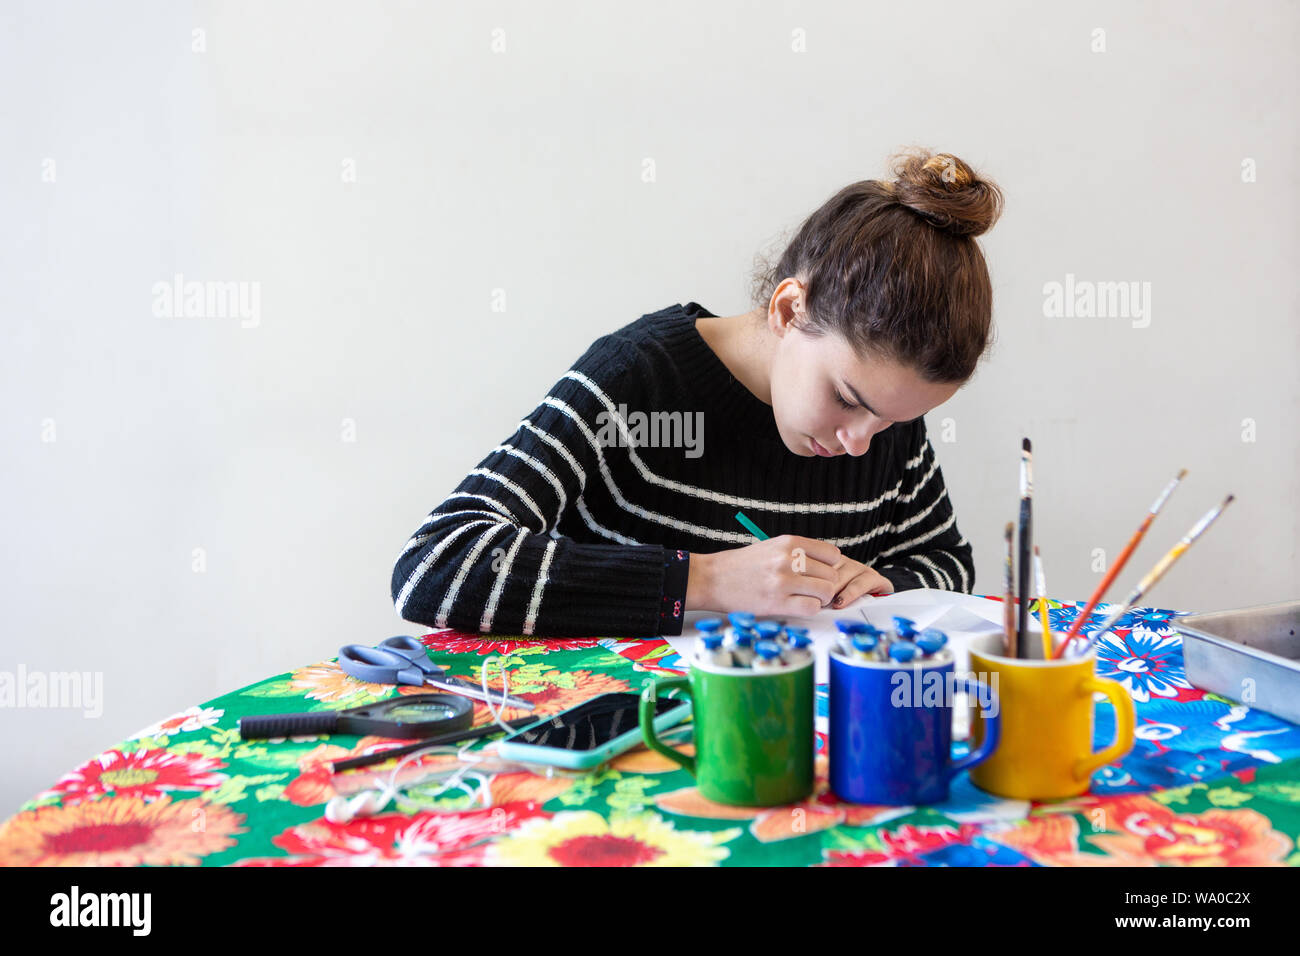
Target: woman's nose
pixel 857 439
pixel 854 442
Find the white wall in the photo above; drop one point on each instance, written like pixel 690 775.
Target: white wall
pixel 522 170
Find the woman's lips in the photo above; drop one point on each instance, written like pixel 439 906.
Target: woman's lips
pixel 819 449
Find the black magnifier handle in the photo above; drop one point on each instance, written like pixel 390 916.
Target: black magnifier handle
pixel 261 726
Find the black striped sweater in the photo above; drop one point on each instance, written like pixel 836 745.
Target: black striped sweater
pixel 582 522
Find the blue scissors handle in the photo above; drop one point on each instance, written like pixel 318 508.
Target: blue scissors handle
pixel 386 664
pixel 404 660
pixel 413 651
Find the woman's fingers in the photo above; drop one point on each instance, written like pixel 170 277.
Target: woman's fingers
pixel 851 591
pixel 806 551
pixel 803 567
pixel 868 582
pixel 821 584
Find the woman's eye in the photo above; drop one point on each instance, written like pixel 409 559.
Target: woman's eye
pixel 840 398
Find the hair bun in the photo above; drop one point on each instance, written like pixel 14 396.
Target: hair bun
pixel 946 192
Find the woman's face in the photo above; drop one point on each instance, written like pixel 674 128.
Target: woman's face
pixel 812 375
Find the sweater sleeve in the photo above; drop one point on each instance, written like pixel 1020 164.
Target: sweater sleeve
pixel 489 559
pixel 924 549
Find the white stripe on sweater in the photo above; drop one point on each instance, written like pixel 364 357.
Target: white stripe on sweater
pixel 911 566
pixel 436 513
pixel 600 529
pixel 506 512
pixel 708 494
pixel 519 492
pixel 913 519
pixel 542 470
pixel 530 622
pixel 911 495
pixel 705 531
pixel 945 582
pixel 939 529
pixel 427 562
pixel 490 608
pixel 466 565
pixel 961 569
pixel 745 538
pixel 561 448
pixel 886 528
pixel 419 538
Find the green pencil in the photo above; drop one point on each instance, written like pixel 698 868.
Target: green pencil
pixel 750 526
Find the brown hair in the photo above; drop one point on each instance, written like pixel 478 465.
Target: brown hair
pixel 894 267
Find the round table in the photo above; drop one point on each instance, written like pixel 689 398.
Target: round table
pixel 1208 781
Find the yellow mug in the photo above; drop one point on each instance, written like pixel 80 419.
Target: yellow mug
pixel 1045 751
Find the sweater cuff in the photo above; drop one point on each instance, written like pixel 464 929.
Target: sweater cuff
pixel 902 578
pixel 672 605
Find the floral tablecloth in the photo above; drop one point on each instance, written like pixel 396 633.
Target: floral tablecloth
pixel 1209 781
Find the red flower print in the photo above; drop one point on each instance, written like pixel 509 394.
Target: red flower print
pixel 148 774
pixel 397 839
pixel 461 642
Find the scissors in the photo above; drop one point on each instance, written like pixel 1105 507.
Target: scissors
pixel 404 660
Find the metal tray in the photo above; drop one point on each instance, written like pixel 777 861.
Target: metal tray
pixel 1249 650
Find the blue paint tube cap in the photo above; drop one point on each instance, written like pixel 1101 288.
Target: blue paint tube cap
pixel 767 629
pixel 871 629
pixel 850 625
pixel 744 636
pixel 712 641
pixel 903 651
pixel 799 638
pixel 864 643
pixel 741 619
pixel 931 640
pixel 768 650
pixel 905 628
pixel 707 625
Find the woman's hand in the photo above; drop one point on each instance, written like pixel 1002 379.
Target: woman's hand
pixel 854 579
pixel 788 576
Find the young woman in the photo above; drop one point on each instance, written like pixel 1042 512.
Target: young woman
pixel 811 407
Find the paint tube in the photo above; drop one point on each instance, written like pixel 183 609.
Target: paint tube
pixel 767 656
pixel 864 647
pixel 740 642
pixel 903 651
pixel 709 650
pixel 800 651
pixel 931 641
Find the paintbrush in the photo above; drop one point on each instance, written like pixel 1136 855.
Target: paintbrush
pixel 1156 573
pixel 1041 581
pixel 1118 566
pixel 1026 548
pixel 1009 612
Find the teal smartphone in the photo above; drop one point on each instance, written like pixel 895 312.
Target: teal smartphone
pixel 591 733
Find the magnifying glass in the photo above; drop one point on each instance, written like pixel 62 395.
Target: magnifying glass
pixel 408 716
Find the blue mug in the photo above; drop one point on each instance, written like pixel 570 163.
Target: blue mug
pixel 891 728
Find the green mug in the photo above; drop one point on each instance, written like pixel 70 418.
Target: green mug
pixel 754 738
